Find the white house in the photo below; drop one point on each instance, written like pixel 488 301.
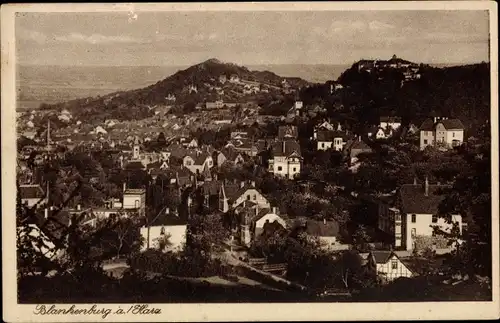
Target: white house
pixel 390 122
pixel 166 232
pixel 231 196
pixel 444 133
pixel 196 161
pixel 286 159
pixel 387 265
pixel 135 199
pixel 416 215
pixel 330 140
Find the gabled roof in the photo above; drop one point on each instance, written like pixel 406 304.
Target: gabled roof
pixel 230 153
pixel 31 192
pixel 359 145
pixel 382 256
pixel 287 132
pixel 414 201
pixel 454 124
pixel 286 148
pixel 236 194
pixel 427 125
pixel 198 157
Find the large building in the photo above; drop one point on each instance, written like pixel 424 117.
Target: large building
pixel 414 213
pixel 442 133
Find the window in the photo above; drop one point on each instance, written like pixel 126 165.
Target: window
pixel 294 169
pixel 394 264
pixel 425 141
pixel 136 204
pixel 280 168
pixel 254 197
pixel 188 163
pixel 413 218
pixel 453 134
pixel 322 145
pixel 248 197
pixel 413 232
pixel 434 218
pixel 398 217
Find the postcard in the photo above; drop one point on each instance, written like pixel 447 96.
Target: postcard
pixel 250 161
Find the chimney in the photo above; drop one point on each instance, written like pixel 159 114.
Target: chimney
pixel 275 210
pixel 426 186
pixel 78 207
pixel 324 221
pixel 124 186
pixel 253 183
pixel 46 213
pixel 242 184
pixel 256 209
pixel 414 181
pixel 359 138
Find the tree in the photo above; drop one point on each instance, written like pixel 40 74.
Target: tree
pixel 122 235
pixel 470 196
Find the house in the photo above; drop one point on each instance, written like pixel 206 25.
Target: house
pixel 386 264
pixel 325 125
pixel 229 154
pixel 441 132
pixel 413 213
pixel 193 143
pixel 254 221
pixel 245 146
pixel 135 199
pixel 327 139
pixel 232 195
pixel 326 231
pixel 295 110
pixel 210 191
pixel 32 195
pixel 166 232
pixel 222 78
pixel 195 161
pixel 286 159
pixel 288 132
pixel 378 132
pixel 356 147
pixel 234 78
pixel 390 122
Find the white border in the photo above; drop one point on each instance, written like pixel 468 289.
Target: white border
pixel 14 312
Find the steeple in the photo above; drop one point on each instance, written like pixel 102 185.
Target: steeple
pixel 48 135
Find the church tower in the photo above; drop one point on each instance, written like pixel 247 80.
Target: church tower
pixel 136 151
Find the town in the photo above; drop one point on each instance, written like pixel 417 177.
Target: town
pixel 233 178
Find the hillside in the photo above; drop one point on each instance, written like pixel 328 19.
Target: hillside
pixel 413 92
pixel 208 81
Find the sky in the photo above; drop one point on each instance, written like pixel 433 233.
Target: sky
pixel 250 38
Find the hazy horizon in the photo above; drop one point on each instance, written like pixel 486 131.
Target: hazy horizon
pixel 251 38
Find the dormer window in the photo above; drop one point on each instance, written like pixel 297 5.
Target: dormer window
pixel 162 231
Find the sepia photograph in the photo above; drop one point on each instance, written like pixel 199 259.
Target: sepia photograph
pixel 314 154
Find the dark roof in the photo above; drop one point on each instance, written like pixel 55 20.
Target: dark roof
pixel 413 198
pixel 286 148
pixel 231 189
pixel 321 229
pixel 427 125
pixel 236 194
pixel 330 135
pixel 230 153
pixel 211 187
pixel 154 165
pixel 452 124
pixel 133 165
pixel 198 157
pixel 361 145
pixel 176 150
pixel 31 192
pixel 287 132
pixel 168 219
pixel 390 119
pixel 382 256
